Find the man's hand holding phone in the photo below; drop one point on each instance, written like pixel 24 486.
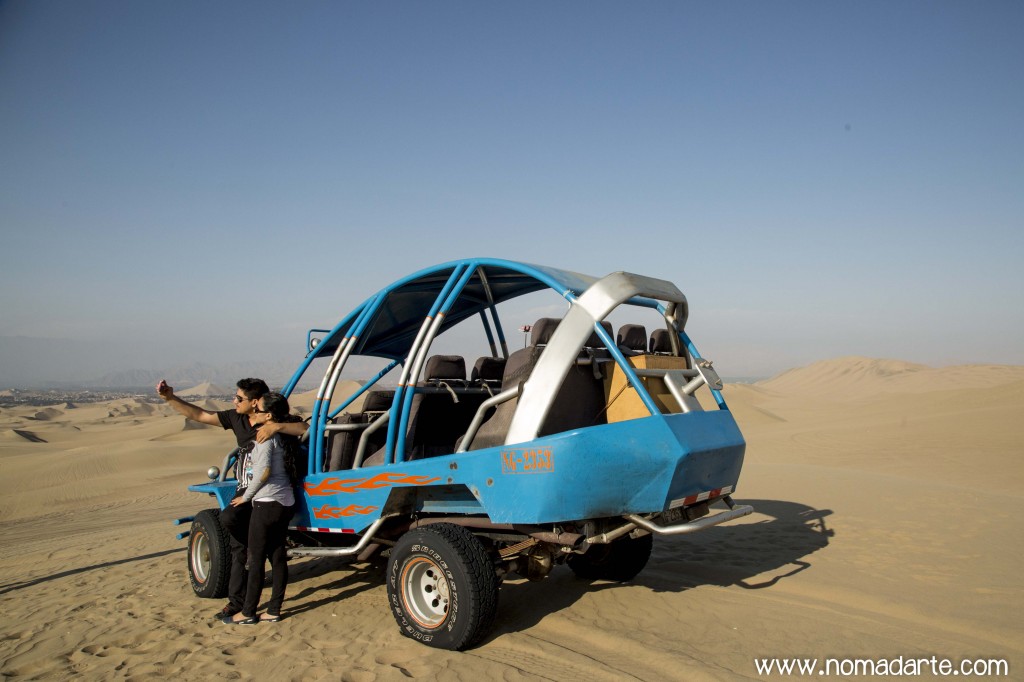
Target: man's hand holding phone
pixel 164 391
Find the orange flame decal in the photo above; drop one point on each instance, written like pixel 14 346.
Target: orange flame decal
pixel 329 512
pixel 332 485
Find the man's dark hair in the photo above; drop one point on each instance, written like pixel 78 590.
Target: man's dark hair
pixel 253 388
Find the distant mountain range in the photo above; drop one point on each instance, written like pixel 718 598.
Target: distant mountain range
pixel 276 374
pixel 31 363
pixel 28 362
pixel 205 389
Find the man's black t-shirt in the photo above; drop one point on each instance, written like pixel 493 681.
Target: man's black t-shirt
pixel 245 434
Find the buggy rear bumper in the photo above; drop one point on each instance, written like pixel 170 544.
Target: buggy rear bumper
pixel 691 526
pixel 635 521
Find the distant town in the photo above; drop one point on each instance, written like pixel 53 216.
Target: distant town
pixel 44 397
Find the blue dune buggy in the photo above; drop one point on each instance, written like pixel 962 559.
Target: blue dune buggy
pixel 575 449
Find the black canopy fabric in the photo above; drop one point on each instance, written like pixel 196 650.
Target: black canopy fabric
pixel 408 301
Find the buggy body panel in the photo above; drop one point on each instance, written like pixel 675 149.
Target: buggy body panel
pixel 633 467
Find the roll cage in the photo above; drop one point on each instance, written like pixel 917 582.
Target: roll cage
pixel 401 321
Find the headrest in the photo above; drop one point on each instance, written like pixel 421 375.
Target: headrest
pixel 595 341
pixel 445 368
pixel 661 342
pixel 545 327
pixel 542 330
pixel 378 401
pixel 633 337
pixel 519 366
pixel 488 369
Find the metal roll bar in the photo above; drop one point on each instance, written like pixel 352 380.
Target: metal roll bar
pixel 636 521
pixel 364 440
pixel 339 551
pixel 478 418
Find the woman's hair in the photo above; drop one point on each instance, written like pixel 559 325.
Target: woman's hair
pixel 276 405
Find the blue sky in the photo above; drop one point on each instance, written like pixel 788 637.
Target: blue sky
pixel 205 181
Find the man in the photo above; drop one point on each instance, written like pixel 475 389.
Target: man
pixel 245 421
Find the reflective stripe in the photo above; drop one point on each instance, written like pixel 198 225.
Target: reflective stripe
pixel 322 530
pixel 700 497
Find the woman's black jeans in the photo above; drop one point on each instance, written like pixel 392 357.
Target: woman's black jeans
pixel 268 531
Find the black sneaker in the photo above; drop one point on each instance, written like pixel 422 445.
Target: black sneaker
pixel 227 612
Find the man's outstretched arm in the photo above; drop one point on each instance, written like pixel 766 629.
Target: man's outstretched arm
pixel 268 429
pixel 190 411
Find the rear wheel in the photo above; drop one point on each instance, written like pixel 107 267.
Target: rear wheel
pixel 442 586
pixel 620 561
pixel 209 556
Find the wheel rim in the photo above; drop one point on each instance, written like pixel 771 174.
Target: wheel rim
pixel 200 557
pixel 425 592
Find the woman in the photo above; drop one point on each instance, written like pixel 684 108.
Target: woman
pixel 272 493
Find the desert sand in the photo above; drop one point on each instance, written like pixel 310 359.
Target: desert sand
pixel 887 497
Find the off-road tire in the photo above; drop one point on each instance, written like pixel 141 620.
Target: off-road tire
pixel 619 561
pixel 442 586
pixel 209 555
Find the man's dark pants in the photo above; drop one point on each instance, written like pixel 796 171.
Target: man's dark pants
pixel 235 521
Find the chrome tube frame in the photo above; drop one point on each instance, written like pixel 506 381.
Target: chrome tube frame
pixel 345 427
pixel 364 439
pixel 681 383
pixel 478 418
pixel 645 525
pixel 691 526
pixel 339 551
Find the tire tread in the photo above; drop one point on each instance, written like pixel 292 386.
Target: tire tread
pixel 220 549
pixel 480 604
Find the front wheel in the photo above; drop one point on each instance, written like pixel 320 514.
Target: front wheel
pixel 442 586
pixel 209 555
pixel 620 561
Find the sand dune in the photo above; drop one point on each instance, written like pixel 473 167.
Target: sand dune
pixel 205 389
pixel 305 400
pixel 21 434
pixel 190 425
pixel 887 498
pixel 46 415
pixel 856 377
pixel 345 388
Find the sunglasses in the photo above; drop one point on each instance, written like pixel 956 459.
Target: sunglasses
pixel 257 410
pixel 239 399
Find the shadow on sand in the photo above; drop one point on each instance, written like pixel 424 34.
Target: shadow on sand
pixel 11 587
pixel 351 579
pixel 768 547
pixel 757 554
pixel 771 546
